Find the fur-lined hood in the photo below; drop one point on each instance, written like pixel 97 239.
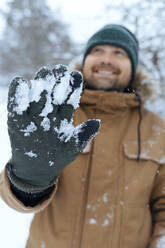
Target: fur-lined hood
pixel 143 84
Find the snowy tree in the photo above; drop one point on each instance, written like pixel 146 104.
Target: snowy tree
pixel 33 36
pixel 145 19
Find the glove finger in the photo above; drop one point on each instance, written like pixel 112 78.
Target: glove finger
pixel 63 121
pixel 76 84
pixel 43 73
pixel 18 97
pixel 62 87
pixel 41 97
pixel 59 71
pixel 36 108
pixel 43 81
pixel 76 79
pixel 63 125
pixel 86 132
pixel 66 112
pixel 39 112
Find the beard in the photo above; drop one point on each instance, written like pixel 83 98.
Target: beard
pixel 96 79
pixel 91 84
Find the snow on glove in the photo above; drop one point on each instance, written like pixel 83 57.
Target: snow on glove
pixel 40 124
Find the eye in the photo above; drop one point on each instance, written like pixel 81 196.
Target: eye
pixel 119 52
pixel 96 50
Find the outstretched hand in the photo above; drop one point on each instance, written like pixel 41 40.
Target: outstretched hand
pixel 40 123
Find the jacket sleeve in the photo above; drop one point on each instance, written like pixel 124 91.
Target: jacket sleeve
pixel 13 202
pixel 158 209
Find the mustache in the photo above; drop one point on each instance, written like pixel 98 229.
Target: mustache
pixel 108 67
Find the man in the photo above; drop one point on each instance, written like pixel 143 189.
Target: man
pixel 112 195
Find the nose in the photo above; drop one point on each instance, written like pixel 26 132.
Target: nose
pixel 107 58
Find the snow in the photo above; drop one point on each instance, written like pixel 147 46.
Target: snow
pixel 45 124
pixel 158 129
pixel 60 86
pixel 161 242
pixel 151 142
pixel 87 148
pixel 31 154
pixel 109 172
pixel 106 223
pixel 157 106
pixel 162 160
pixel 65 131
pixel 27 93
pixel 105 197
pixel 14 226
pixel 145 154
pixel 39 85
pixel 29 129
pixel 92 221
pixel 51 163
pixel 43 244
pixel 74 99
pixel 62 90
pixel 22 97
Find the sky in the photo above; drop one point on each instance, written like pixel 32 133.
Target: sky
pixel 84 17
pixel 81 15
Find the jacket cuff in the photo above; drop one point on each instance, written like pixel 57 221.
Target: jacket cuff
pixel 32 199
pixel 23 186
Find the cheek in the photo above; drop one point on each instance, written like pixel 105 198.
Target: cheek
pixel 85 73
pixel 87 68
pixel 127 71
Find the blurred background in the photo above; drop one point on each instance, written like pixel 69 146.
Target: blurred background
pixel 40 32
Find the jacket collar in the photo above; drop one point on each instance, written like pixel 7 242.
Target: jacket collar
pixel 108 102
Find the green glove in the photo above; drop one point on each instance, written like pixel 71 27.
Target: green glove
pixel 40 125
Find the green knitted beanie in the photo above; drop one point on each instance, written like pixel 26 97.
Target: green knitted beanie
pixel 119 36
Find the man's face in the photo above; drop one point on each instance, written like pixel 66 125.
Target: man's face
pixel 107 67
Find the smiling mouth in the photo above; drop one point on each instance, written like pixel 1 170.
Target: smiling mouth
pixel 104 73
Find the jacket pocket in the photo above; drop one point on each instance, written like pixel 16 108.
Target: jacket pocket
pixel 139 177
pixel 150 150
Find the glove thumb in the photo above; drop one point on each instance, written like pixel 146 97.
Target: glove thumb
pixel 86 131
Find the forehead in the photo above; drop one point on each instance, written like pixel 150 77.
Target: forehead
pixel 108 47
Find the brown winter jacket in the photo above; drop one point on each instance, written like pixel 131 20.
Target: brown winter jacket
pixel 105 198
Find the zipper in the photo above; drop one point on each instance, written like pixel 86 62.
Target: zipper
pixel 85 198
